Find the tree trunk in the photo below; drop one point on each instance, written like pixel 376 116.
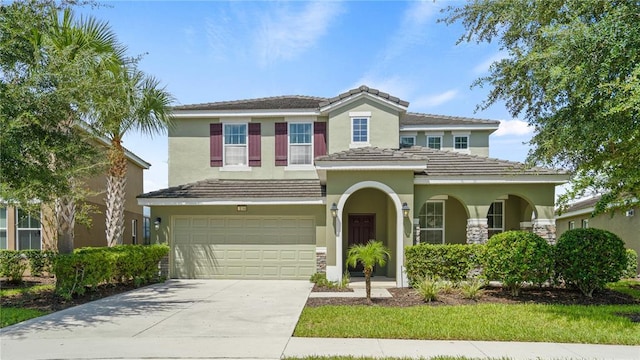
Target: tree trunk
pixel 367 282
pixel 65 219
pixel 116 190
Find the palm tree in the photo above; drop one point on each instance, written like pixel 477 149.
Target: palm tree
pixel 132 101
pixel 369 255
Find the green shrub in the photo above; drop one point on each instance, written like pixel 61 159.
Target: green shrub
pixel 472 289
pixel 632 264
pixel 428 288
pixel 516 257
pixel 450 262
pixel 90 267
pixel 590 258
pixel 40 261
pixel 13 264
pixel 321 280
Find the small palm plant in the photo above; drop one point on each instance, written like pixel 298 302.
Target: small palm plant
pixel 369 255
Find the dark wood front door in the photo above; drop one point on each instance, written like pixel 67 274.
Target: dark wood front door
pixel 362 228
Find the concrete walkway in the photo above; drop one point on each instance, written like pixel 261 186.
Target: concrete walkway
pixel 232 319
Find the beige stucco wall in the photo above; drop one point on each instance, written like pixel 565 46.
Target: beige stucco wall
pixel 626 227
pixel 383 125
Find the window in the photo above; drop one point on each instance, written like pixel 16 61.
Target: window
pixel 28 231
pixel 360 130
pixel 407 141
pixel 3 227
pixel 300 144
pixel 432 223
pixel 134 231
pixel 585 223
pixel 495 218
pixel 146 230
pixel 461 142
pixel 572 225
pixel 235 144
pixel 434 142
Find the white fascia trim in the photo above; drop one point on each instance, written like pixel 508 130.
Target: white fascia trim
pixel 207 202
pixel 448 128
pixel 586 211
pixel 462 180
pixel 186 114
pixel 371 167
pixel 358 96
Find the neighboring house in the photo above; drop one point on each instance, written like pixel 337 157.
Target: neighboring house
pixel 20 230
pixel 624 224
pixel 280 187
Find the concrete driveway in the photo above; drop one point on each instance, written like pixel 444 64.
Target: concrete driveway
pixel 177 319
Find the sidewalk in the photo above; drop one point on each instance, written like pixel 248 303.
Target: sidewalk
pixel 300 347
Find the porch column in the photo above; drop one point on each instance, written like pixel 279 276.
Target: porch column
pixel 545 228
pixel 477 231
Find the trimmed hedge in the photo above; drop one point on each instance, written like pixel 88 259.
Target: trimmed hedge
pixel 518 257
pixel 14 263
pixel 451 262
pixel 590 258
pixel 88 268
pixel 632 265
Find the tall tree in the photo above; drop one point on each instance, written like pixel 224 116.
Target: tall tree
pixel 131 101
pixel 572 70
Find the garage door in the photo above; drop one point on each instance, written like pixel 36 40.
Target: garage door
pixel 237 247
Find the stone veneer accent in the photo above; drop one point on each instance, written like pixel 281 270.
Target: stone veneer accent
pixel 477 231
pixel 545 228
pixel 321 260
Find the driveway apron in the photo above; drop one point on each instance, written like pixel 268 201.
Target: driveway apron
pixel 177 319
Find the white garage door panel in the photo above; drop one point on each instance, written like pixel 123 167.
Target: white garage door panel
pixel 243 247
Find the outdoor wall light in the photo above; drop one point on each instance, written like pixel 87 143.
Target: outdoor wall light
pixel 156 223
pixel 405 210
pixel 334 210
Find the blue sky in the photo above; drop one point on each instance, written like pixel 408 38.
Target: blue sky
pixel 213 51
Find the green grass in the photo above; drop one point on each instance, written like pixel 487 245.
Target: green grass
pixel 10 315
pixel 489 322
pixel 625 287
pixel 26 290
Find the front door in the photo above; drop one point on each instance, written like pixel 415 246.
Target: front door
pixel 362 228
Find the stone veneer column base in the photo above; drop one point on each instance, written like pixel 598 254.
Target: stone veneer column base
pixel 545 228
pixel 321 260
pixel 477 231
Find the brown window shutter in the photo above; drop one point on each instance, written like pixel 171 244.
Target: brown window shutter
pixel 319 139
pixel 215 144
pixel 281 144
pixel 254 144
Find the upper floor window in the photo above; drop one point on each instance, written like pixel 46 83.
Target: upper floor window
pixel 360 130
pixel 585 223
pixel 235 144
pixel 300 144
pixel 572 225
pixel 434 142
pixel 461 142
pixel 3 227
pixel 28 231
pixel 495 218
pixel 407 141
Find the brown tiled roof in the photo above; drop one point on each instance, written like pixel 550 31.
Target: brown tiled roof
pixel 370 154
pixel 366 89
pixel 449 163
pixel 242 189
pixel 409 119
pixel 267 103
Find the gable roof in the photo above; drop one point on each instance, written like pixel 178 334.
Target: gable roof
pixel 410 119
pixel 219 191
pixel 265 103
pixel 360 90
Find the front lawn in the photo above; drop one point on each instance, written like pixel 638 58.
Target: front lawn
pixel 10 316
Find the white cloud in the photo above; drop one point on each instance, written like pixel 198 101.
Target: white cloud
pixel 513 127
pixel 484 66
pixel 434 100
pixel 284 34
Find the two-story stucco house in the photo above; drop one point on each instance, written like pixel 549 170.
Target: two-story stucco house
pixel 280 187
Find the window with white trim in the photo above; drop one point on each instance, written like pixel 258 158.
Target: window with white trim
pixel 407 141
pixel 572 225
pixel 300 143
pixel 432 223
pixel 360 130
pixel 434 142
pixel 495 218
pixel 235 144
pixel 3 228
pixel 461 142
pixel 585 223
pixel 29 231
